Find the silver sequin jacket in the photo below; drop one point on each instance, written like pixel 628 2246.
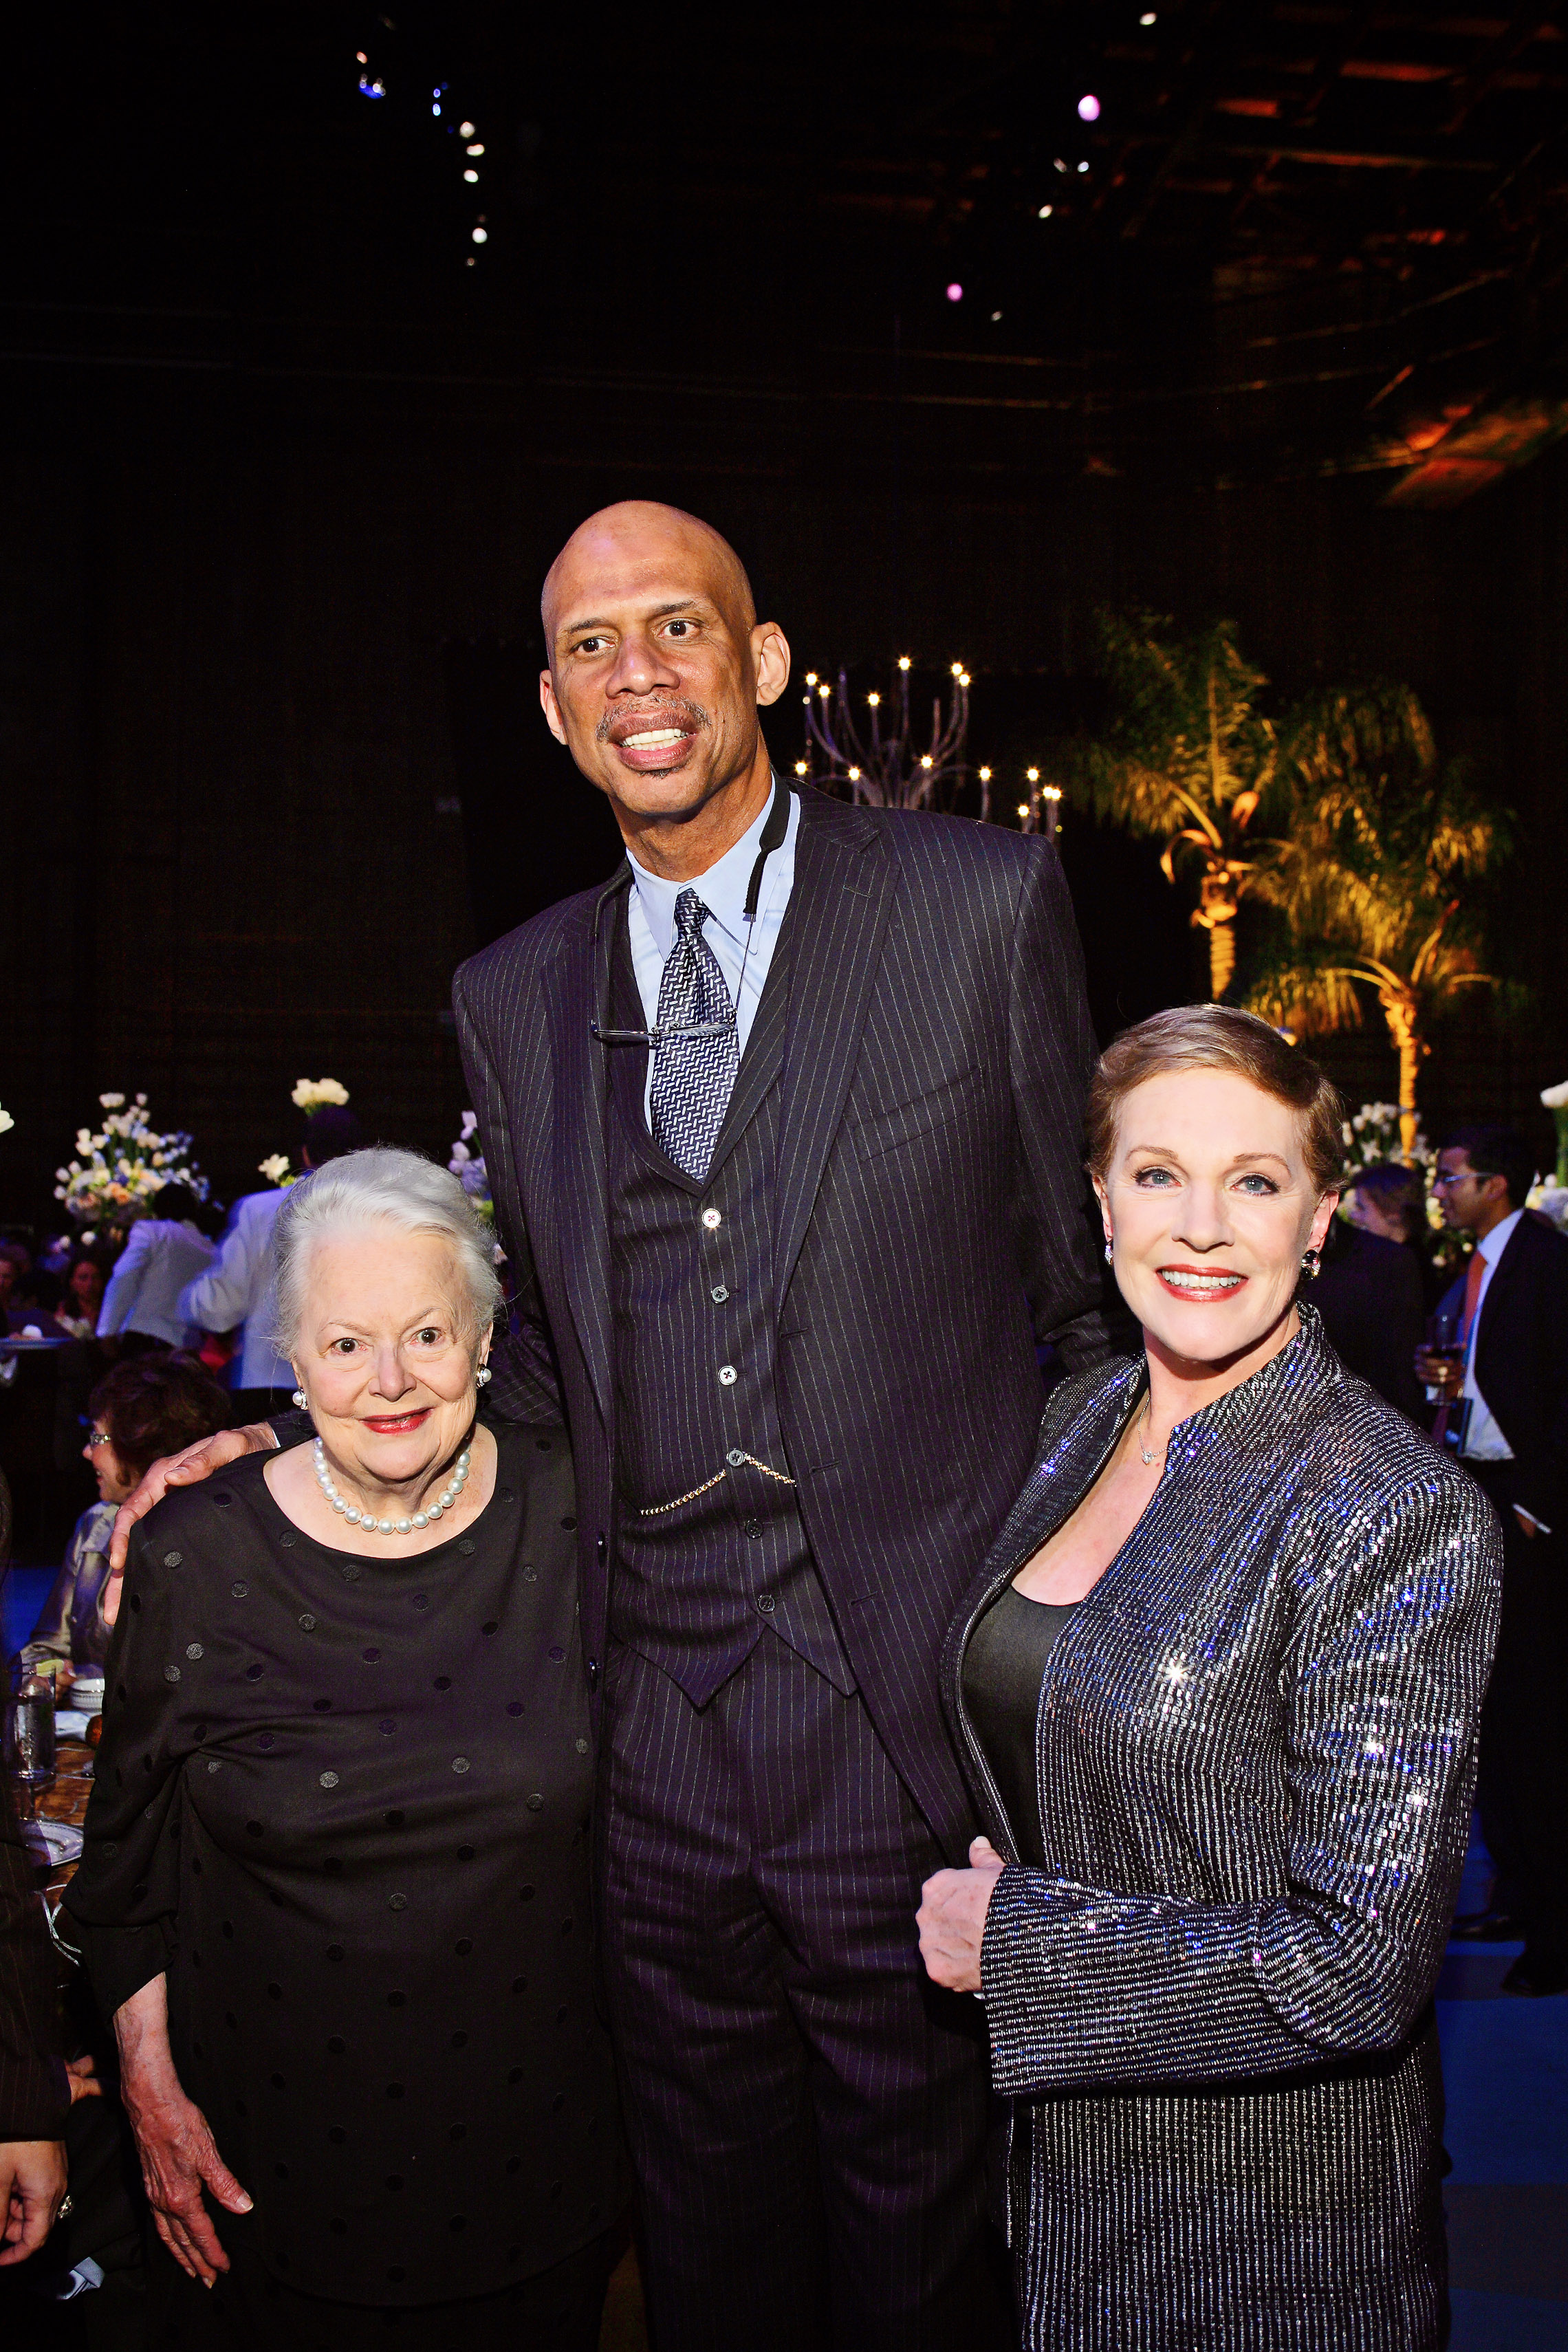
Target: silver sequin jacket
pixel 1256 1744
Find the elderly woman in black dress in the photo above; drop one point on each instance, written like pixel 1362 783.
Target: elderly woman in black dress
pixel 334 1894
pixel 1218 1690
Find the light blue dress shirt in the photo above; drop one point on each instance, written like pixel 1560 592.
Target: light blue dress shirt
pixel 650 922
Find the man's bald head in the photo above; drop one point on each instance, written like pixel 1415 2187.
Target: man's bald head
pixel 636 532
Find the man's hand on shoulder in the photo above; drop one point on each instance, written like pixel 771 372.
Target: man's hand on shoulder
pixel 187 1468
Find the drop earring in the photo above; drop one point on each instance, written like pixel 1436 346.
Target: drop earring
pixel 1311 1264
pixel 1110 1252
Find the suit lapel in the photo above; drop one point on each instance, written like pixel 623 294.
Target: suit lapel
pixel 580 989
pixel 844 884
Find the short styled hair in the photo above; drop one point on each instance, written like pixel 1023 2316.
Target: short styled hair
pixel 154 1404
pixel 1496 1151
pixel 381 1186
pixel 1217 1038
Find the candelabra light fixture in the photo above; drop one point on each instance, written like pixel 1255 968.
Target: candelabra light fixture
pixel 875 756
pixel 1039 812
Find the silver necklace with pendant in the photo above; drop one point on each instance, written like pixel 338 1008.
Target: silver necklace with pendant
pixel 1149 1459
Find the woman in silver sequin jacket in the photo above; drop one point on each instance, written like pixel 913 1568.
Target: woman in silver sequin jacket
pixel 1207 1926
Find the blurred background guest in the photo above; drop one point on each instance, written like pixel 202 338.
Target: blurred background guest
pixel 20 1310
pixel 144 1409
pixel 1508 1420
pixel 166 1251
pixel 81 1296
pixel 35 2091
pixel 1389 1200
pixel 1368 1292
pixel 235 1292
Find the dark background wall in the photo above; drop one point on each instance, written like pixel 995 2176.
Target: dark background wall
pixel 286 463
pixel 273 760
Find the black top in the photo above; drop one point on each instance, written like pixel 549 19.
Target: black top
pixel 344 1801
pixel 1003 1668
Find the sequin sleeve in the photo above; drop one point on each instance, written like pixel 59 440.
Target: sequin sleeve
pixel 1382 1674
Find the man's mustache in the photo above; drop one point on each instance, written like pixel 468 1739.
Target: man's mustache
pixel 674 710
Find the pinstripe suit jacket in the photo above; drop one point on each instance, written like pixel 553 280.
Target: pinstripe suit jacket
pixel 929 1192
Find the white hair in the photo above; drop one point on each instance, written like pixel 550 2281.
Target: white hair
pixel 380 1187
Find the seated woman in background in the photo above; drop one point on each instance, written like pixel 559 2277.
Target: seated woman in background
pixel 166 1250
pixel 335 1888
pixel 1217 1692
pixel 140 1411
pixel 81 1296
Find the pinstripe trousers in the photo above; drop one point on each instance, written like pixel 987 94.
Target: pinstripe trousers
pixel 807 2112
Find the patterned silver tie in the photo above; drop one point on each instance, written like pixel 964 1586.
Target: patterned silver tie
pixel 693 1078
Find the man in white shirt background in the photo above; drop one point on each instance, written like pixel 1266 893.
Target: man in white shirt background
pixel 1509 1422
pixel 165 1253
pixel 236 1290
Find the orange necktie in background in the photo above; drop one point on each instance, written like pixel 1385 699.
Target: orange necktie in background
pixel 1475 1277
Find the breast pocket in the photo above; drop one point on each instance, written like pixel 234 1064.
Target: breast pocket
pixel 886 1130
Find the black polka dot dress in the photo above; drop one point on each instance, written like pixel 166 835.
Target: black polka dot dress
pixel 343 1802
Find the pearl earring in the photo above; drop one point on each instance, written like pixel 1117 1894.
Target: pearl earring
pixel 482 1375
pixel 300 1399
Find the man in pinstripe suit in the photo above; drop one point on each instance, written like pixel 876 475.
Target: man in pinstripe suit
pixel 783 1126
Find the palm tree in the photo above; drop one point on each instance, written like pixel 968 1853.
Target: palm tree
pixel 1374 878
pixel 1189 759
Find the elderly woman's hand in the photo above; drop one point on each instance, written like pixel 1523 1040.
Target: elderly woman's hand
pixel 952 1918
pixel 173 2139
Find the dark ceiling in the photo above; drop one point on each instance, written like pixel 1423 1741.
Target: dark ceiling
pixel 1292 239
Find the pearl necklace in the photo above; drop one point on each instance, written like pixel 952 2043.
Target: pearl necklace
pixel 367 1519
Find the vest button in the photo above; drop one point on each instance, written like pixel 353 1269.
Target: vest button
pixel 734 1457
pixel 751 1528
pixel 720 1292
pixel 766 1603
pixel 712 1220
pixel 727 1376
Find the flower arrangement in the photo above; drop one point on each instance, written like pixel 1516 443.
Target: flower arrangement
pixel 1372 1135
pixel 116 1172
pixel 310 1094
pixel 467 1166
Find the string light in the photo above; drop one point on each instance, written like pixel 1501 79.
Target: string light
pixel 925 758
pixel 811 678
pixel 465 130
pixel 955 292
pixel 1083 167
pixel 985 775
pixel 825 691
pixel 372 85
pixel 903 661
pixel 471 175
pixel 956 670
pixel 855 774
pixel 1088 108
pixel 800 767
pixel 874 700
pixel 481 236
pixel 1023 808
pixel 478 145
pixel 1045 211
pixel 1148 17
pixel 361 58
pixel 1033 774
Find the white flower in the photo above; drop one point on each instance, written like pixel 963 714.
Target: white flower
pixel 1555 1098
pixel 113 1102
pixel 274 1167
pixel 311 1093
pixel 6 1122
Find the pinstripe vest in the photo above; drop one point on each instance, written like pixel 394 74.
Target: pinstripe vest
pixel 712 1554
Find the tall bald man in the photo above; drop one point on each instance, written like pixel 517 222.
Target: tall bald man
pixel 784 1125
pixel 783 1130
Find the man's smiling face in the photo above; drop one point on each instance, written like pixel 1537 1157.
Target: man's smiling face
pixel 656 664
